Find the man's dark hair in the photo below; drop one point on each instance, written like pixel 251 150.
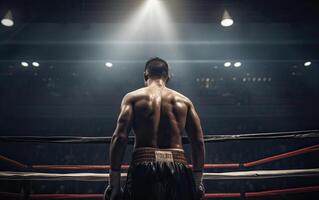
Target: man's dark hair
pixel 156 68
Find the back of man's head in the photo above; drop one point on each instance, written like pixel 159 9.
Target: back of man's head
pixel 156 68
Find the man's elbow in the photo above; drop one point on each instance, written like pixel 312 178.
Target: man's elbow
pixel 121 139
pixel 198 143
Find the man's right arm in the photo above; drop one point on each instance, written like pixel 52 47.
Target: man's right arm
pixel 117 148
pixel 195 135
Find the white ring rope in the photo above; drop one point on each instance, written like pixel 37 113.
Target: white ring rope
pixel 262 174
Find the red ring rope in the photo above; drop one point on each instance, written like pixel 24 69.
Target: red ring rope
pixel 283 191
pixel 206 166
pixel 13 162
pixel 283 155
pixel 221 195
pixel 207 195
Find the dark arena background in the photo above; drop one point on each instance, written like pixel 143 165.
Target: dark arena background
pixel 249 66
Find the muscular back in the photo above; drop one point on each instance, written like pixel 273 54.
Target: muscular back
pixel 159 117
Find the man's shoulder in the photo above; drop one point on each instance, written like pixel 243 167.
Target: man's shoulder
pixel 180 96
pixel 142 92
pixel 134 94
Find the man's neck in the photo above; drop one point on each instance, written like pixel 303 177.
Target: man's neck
pixel 156 82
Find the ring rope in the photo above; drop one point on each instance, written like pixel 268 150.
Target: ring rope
pixel 214 176
pixel 208 138
pixel 12 162
pixel 206 166
pixel 283 155
pixel 265 193
pixel 243 175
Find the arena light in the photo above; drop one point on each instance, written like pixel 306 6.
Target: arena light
pixel 150 23
pixel 7 19
pixel 24 64
pixel 237 64
pixel 226 20
pixel 227 64
pixel 109 64
pixel 308 63
pixel 36 64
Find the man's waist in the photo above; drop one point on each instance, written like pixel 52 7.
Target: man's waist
pixel 153 148
pixel 148 154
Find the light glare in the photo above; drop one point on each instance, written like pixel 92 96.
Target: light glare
pixel 150 23
pixel 308 63
pixel 7 19
pixel 227 64
pixel 237 64
pixel 35 64
pixel 7 22
pixel 108 64
pixel 226 20
pixel 24 64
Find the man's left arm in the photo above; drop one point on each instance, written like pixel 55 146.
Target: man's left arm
pixel 119 142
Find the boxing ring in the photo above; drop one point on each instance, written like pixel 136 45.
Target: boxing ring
pixel 30 173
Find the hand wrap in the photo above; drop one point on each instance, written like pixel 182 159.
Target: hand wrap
pixel 114 190
pixel 200 189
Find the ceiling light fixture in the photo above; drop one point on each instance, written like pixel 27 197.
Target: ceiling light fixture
pixel 226 19
pixel 7 19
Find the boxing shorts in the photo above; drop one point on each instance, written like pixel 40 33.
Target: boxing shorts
pixel 159 174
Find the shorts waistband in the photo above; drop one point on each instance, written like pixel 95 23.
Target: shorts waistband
pixel 159 149
pixel 146 154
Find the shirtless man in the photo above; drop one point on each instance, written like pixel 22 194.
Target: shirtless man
pixel 158 117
